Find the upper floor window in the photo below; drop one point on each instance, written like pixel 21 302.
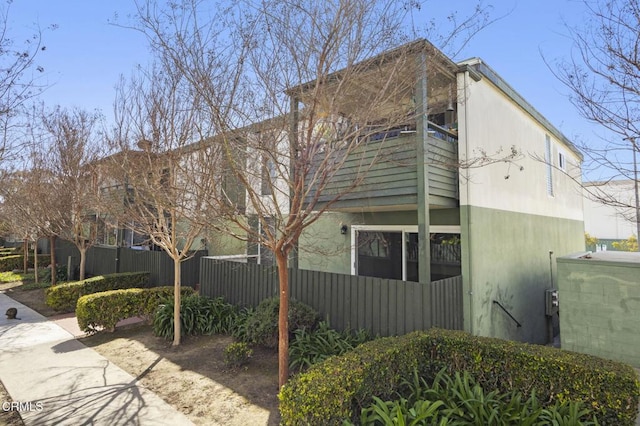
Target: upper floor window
pixel 562 161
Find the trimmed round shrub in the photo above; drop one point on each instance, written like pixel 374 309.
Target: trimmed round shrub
pixel 64 297
pixel 339 387
pixel 105 309
pixel 14 259
pixel 11 262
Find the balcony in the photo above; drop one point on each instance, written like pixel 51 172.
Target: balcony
pixel 386 169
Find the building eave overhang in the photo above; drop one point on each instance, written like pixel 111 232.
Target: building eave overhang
pixel 477 67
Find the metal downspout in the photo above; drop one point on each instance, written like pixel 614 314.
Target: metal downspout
pixel 466 148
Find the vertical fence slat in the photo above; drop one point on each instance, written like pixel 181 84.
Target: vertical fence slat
pixel 101 260
pixel 381 306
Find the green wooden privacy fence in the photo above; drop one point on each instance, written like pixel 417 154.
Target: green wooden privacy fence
pixel 108 260
pixel 381 306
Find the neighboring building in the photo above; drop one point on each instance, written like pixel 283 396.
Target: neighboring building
pixel 599 294
pixel 495 201
pixel 608 215
pixel 115 190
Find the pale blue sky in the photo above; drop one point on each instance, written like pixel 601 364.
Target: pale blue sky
pixel 86 55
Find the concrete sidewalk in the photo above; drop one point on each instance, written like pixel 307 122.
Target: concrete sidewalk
pixel 57 380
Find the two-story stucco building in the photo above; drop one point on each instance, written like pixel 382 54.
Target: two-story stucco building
pixel 479 185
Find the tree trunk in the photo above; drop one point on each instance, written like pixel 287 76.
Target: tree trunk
pixel 176 302
pixel 52 241
pixel 83 262
pixel 25 253
pixel 283 319
pixel 35 261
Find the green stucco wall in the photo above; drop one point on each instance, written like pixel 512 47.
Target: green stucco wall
pixel 600 307
pixel 505 257
pixel 223 244
pixel 323 248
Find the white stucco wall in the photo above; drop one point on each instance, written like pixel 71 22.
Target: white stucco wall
pixel 511 228
pixel 490 122
pixel 606 220
pixel 278 200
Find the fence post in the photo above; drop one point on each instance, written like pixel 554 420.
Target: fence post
pixel 70 274
pixel 118 259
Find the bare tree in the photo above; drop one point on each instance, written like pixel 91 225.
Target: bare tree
pixel 603 76
pixel 71 141
pixel 160 166
pixel 18 80
pixel 17 212
pixel 27 202
pixel 297 87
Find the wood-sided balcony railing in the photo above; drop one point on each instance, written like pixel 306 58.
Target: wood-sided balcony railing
pixel 386 169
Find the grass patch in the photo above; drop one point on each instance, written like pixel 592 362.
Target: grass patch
pixel 35 285
pixel 9 277
pixel 27 279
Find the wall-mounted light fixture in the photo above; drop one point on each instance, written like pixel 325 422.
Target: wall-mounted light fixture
pixel 343 229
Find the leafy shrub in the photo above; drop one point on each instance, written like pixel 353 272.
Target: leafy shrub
pixel 461 400
pixel 262 324
pixel 43 260
pixel 312 346
pixel 339 387
pixel 630 244
pixel 105 309
pixel 10 276
pixel 239 328
pixel 34 285
pixel 237 354
pixel 15 260
pixel 63 297
pixel 61 274
pixel 198 315
pixel 11 262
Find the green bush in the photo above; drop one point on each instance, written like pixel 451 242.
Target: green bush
pixel 340 387
pixel 262 324
pixel 103 310
pixel 61 274
pixel 237 354
pixel 198 315
pixel 461 400
pixel 239 329
pixel 43 260
pixel 15 260
pixel 309 347
pixel 63 297
pixel 11 262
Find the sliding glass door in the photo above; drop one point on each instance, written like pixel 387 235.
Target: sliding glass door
pixel 392 252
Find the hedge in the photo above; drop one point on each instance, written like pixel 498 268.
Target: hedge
pixel 339 387
pixel 16 261
pixel 63 297
pixel 105 309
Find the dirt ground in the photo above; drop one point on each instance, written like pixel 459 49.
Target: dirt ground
pixel 191 377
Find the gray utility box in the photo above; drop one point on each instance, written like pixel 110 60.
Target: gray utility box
pixel 550 302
